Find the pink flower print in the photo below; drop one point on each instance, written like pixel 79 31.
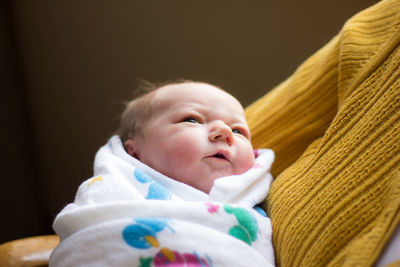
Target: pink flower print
pixel 176 259
pixel 211 207
pixel 256 153
pixel 257 166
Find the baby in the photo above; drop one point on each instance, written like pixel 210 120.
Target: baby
pixel 178 186
pixel 191 132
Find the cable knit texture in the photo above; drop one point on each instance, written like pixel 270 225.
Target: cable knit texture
pixel 335 128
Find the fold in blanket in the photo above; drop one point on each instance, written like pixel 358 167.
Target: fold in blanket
pixel 128 214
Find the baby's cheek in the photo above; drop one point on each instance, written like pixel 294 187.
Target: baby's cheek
pixel 185 148
pixel 245 161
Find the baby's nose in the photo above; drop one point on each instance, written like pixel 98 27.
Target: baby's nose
pixel 221 132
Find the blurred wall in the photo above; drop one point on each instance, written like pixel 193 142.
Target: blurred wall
pixel 69 65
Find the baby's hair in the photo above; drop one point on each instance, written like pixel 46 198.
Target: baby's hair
pixel 140 109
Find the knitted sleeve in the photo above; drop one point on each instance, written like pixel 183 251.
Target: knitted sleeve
pixel 335 129
pixel 299 110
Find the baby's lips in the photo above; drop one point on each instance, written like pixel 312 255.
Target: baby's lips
pixel 222 154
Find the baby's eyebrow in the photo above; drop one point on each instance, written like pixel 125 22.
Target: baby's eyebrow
pixel 193 108
pixel 239 119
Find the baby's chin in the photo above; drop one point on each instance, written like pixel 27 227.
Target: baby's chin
pixel 205 184
pixel 204 180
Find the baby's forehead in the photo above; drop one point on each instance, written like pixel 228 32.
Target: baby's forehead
pixel 204 100
pixel 194 92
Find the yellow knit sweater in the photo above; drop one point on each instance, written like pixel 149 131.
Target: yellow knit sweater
pixel 335 129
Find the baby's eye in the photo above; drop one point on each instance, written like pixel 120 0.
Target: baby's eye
pixel 191 120
pixel 237 131
pixel 240 131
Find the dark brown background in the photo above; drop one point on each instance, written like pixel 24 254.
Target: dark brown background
pixel 68 65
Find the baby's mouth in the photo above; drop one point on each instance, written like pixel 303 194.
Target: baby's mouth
pixel 219 160
pixel 219 155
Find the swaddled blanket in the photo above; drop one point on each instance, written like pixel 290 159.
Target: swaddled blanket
pixel 131 215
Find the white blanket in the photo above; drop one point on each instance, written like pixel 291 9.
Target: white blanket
pixel 128 214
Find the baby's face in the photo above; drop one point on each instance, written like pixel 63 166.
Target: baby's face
pixel 197 134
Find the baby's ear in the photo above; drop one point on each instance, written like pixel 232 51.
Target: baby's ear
pixel 131 147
